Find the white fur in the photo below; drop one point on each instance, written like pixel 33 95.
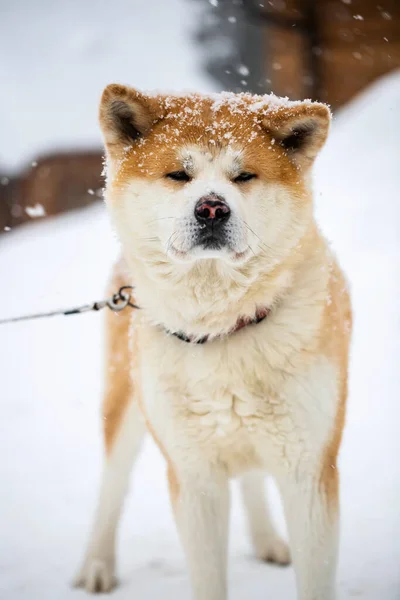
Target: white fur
pixel 313 535
pixel 202 517
pixel 267 543
pixel 98 570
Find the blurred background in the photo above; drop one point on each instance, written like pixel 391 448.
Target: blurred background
pixel 57 56
pixel 56 249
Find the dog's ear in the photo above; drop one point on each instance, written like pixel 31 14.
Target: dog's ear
pixel 301 130
pixel 126 115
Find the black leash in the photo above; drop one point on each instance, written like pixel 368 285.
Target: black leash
pixel 116 303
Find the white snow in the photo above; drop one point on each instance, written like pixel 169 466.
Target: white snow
pixel 35 211
pixel 51 371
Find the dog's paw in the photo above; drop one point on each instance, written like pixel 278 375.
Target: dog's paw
pixel 274 550
pixel 96 576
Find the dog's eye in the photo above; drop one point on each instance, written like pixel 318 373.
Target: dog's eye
pixel 242 177
pixel 178 176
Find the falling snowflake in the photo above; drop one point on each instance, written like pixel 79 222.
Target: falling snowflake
pixel 243 70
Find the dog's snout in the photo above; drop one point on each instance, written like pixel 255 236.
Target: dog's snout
pixel 212 210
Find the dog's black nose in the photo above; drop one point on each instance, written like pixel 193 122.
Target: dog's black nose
pixel 212 211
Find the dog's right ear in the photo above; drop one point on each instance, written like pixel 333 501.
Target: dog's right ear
pixel 126 115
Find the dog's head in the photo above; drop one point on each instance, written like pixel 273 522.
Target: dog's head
pixel 222 177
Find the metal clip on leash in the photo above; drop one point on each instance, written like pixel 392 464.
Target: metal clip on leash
pixel 116 303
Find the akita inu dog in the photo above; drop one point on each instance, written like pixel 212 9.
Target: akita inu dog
pixel 236 362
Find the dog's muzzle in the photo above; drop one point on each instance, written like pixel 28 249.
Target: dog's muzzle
pixel 212 214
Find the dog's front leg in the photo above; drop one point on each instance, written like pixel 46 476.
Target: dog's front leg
pixel 312 517
pixel 200 501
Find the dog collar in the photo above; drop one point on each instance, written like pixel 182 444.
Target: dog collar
pixel 241 323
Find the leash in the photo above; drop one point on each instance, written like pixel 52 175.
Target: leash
pixel 117 302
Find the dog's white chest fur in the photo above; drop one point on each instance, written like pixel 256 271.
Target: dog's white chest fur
pixel 225 411
pixel 242 413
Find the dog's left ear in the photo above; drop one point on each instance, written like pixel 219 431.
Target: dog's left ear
pixel 301 130
pixel 126 115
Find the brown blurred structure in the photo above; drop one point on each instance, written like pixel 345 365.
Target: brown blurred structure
pixel 328 50
pixel 57 182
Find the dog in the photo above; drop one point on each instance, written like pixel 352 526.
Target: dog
pixel 236 361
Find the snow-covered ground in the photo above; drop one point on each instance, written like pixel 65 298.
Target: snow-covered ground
pixel 51 371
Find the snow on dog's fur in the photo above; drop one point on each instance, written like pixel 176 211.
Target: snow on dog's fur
pixel 211 199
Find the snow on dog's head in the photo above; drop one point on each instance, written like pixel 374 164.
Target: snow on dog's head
pixel 220 177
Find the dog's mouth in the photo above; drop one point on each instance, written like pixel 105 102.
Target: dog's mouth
pixel 211 238
pixel 211 248
pixel 208 242
pixel 211 241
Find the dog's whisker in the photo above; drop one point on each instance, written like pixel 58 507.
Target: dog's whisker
pixel 149 239
pixel 257 236
pixel 160 219
pixel 171 241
